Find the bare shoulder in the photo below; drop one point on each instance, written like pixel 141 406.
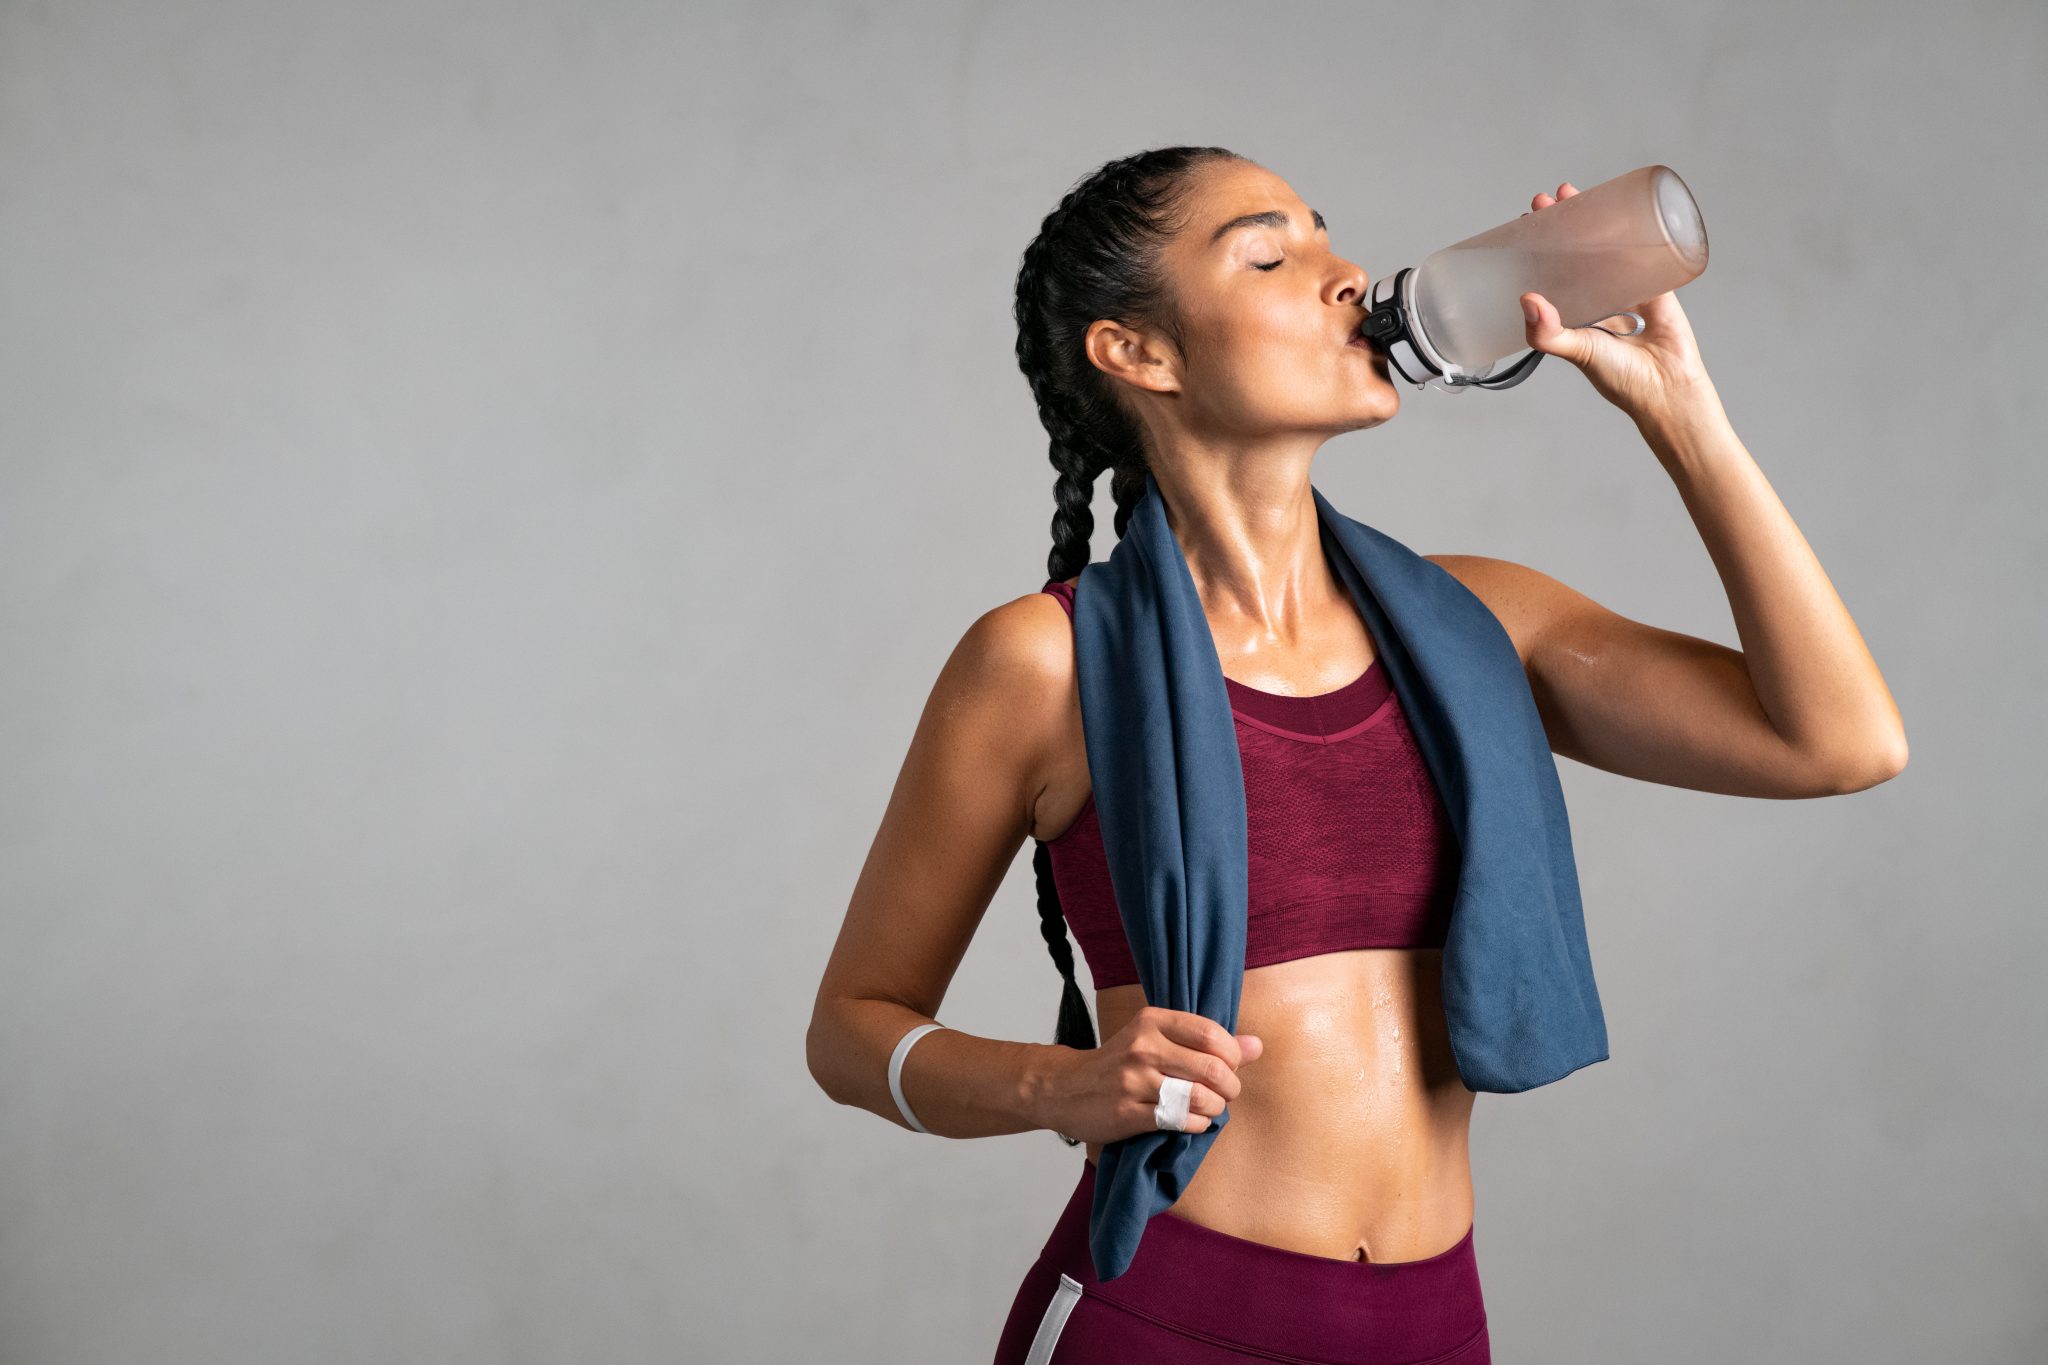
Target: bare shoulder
pixel 1026 643
pixel 1010 684
pixel 1526 601
pixel 964 801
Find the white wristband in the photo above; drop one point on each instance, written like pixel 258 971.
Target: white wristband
pixel 896 1072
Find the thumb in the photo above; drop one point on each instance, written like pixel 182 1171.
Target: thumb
pixel 1545 332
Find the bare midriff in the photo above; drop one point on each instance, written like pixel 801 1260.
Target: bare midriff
pixel 1350 1137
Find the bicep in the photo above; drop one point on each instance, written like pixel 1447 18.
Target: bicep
pixel 959 811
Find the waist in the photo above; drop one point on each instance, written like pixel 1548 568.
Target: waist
pixel 1351 1130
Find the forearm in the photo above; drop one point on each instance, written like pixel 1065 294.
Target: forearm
pixel 957 1084
pixel 1812 673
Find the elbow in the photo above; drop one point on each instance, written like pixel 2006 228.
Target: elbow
pixel 818 1054
pixel 1873 764
pixel 1894 757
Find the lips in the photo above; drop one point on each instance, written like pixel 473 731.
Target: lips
pixel 1382 363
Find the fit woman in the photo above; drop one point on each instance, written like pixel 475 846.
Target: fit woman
pixel 1182 311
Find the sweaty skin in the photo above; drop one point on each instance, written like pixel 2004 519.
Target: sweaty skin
pixel 1349 1138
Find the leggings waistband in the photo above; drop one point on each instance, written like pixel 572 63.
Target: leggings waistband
pixel 1238 1292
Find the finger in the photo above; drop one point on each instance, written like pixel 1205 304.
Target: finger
pixel 1203 1103
pixel 1662 311
pixel 1200 1033
pixel 1567 190
pixel 1201 1099
pixel 1546 332
pixel 1204 1068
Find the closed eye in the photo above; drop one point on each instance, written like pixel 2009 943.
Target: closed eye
pixel 1268 265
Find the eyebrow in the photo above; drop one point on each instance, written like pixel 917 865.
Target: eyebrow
pixel 1270 218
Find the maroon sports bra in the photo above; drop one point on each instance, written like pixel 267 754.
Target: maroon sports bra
pixel 1348 841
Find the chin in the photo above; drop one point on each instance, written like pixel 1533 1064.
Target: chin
pixel 1382 408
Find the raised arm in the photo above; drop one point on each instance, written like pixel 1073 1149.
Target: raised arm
pixel 1800 710
pixel 960 810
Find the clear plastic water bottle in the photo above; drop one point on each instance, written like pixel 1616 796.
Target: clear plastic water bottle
pixel 1594 255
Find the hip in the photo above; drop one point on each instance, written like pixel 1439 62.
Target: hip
pixel 1198 1295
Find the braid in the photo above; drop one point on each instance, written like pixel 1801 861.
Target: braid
pixel 1096 256
pixel 1075 1028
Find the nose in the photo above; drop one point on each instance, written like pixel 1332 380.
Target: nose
pixel 1348 283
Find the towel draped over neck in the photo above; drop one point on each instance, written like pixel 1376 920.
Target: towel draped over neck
pixel 1517 987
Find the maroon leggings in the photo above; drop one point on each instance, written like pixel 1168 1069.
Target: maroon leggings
pixel 1196 1296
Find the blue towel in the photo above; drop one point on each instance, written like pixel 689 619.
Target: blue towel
pixel 1518 987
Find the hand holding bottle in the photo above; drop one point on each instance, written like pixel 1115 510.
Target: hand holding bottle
pixel 1649 375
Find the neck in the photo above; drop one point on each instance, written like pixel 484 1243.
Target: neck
pixel 1248 530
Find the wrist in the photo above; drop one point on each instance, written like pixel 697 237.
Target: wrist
pixel 1681 429
pixel 1037 1088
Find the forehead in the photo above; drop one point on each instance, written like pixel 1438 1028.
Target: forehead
pixel 1226 189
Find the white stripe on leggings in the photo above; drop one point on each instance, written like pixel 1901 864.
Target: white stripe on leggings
pixel 1055 1320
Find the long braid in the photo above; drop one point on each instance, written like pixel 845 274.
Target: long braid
pixel 1096 256
pixel 1075 1028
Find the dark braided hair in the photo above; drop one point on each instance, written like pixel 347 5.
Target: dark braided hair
pixel 1096 256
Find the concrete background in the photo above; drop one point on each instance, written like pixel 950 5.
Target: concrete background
pixel 485 491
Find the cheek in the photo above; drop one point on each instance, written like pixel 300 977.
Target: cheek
pixel 1270 343
pixel 1287 356
pixel 1283 324
pixel 1268 363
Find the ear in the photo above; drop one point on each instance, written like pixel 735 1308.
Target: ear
pixel 1134 356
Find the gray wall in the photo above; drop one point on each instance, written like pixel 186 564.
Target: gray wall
pixel 485 491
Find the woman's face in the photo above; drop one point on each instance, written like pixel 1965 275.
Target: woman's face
pixel 1267 312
